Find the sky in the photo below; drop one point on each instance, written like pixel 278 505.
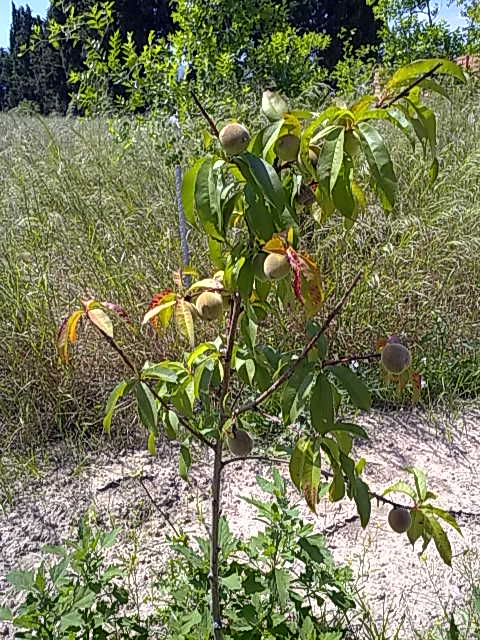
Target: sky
pixel 451 14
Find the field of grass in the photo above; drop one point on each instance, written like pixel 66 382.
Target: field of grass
pixel 82 215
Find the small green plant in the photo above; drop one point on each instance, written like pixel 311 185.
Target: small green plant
pixel 281 582
pixel 79 596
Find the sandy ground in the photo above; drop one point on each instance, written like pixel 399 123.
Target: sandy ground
pixel 391 576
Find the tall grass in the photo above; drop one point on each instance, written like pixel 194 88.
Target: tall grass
pixel 84 215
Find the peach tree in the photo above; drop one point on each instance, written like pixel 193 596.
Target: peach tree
pixel 251 198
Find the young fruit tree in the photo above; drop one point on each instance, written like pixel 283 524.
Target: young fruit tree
pixel 252 198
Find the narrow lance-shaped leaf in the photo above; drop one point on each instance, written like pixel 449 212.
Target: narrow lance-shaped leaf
pixel 188 191
pixel 358 392
pixel 321 405
pixel 113 398
pixel 441 540
pixel 147 407
pixel 361 496
pixel 379 161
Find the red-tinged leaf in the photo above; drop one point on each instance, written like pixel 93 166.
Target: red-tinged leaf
pixel 120 311
pixel 306 281
pixel 72 325
pixel 100 319
pixel 151 316
pixel 165 313
pixel 312 289
pixel 184 320
pixel 296 265
pixel 158 297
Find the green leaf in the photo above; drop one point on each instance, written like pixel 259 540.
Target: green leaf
pixel 379 161
pixel 337 159
pixel 412 71
pixel 70 620
pixel 21 580
pixel 415 530
pixel 444 515
pixel 401 487
pixel 185 462
pixel 248 330
pixel 441 540
pixel 361 496
pixel 164 371
pixel 84 599
pixel 336 490
pixel 420 481
pixel 342 193
pixel 321 405
pixel 358 392
pixel 260 220
pixel 151 444
pixel 295 392
pixel 207 200
pixel 245 280
pixel 265 178
pixel 282 583
pixel 329 157
pixel 147 407
pixel 188 191
pixel 354 429
pixel 305 470
pixel 232 582
pixel 113 398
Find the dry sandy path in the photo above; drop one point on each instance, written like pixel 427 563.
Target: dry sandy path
pixel 392 576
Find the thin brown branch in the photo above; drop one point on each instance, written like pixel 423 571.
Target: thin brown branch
pixel 407 90
pixel 252 404
pixel 163 513
pixel 235 308
pixel 352 358
pixel 258 458
pixel 183 421
pixel 204 113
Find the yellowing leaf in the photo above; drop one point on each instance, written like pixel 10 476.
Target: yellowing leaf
pixel 159 308
pixel 275 245
pixel 184 320
pixel 72 324
pixel 99 318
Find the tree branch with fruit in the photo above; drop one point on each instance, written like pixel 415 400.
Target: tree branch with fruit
pixel 249 199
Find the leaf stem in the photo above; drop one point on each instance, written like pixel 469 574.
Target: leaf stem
pixel 204 113
pixel 183 421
